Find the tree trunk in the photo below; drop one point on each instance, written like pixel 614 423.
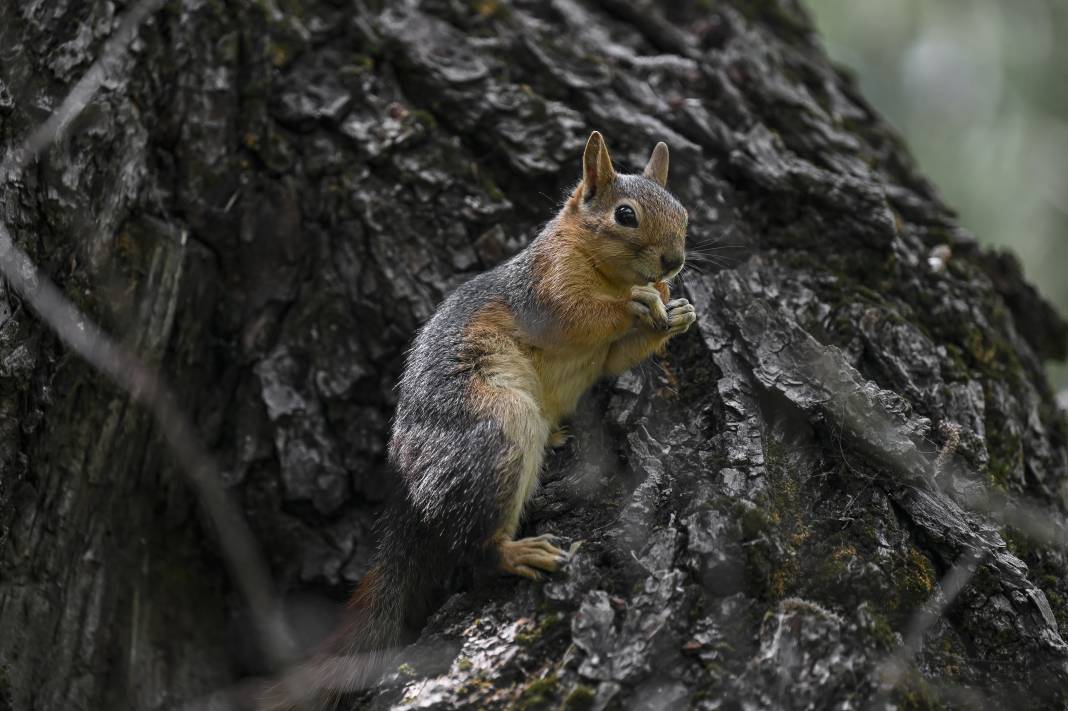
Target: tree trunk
pixel 267 200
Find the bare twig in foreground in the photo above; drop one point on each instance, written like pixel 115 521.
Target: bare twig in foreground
pixel 146 388
pixel 82 92
pixel 129 372
pixel 892 669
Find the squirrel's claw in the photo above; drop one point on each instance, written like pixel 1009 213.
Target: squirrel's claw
pixel 675 317
pixel 647 305
pixel 559 437
pixel 528 555
pixel 681 315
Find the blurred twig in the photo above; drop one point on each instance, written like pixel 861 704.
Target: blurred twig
pixel 83 91
pixel 125 369
pixel 891 670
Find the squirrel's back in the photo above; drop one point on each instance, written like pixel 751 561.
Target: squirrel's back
pixel 450 433
pixel 436 370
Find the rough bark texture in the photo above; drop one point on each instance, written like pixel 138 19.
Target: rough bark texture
pixel 270 197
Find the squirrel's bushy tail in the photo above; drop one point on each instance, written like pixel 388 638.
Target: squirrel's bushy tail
pixel 389 602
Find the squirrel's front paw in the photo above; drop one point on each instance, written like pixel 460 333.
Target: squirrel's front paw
pixel 681 315
pixel 646 304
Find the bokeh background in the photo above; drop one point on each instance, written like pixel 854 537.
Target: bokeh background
pixel 979 88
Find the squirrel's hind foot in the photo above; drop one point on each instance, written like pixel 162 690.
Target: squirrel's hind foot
pixel 528 556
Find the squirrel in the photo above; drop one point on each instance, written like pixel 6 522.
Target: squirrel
pixel 489 380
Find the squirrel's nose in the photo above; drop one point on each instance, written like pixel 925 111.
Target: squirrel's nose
pixel 671 262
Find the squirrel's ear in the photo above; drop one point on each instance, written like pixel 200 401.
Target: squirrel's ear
pixel 597 170
pixel 657 167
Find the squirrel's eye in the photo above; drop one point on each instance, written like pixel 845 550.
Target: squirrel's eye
pixel 625 216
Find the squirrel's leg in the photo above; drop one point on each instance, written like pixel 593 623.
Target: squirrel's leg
pixel 518 479
pixel 503 389
pixel 631 350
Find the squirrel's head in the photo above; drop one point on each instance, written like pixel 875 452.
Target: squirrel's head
pixel 634 229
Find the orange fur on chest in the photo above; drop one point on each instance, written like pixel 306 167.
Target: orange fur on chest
pixel 565 374
pixel 588 310
pixel 586 314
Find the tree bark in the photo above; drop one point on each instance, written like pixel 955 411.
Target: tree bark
pixel 269 198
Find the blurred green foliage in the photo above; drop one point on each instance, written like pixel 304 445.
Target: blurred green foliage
pixel 979 88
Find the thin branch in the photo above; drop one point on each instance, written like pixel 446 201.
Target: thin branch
pixel 130 373
pixel 48 132
pixel 892 669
